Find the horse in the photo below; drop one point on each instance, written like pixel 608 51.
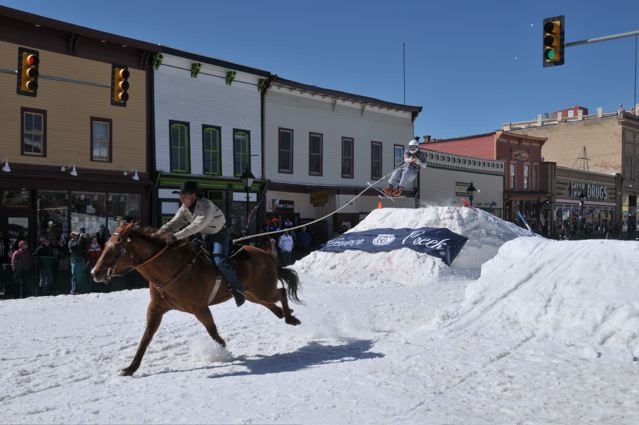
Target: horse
pixel 182 277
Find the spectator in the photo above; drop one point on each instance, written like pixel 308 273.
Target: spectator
pixel 275 225
pixel 5 247
pixel 103 235
pixel 21 264
pixel 93 254
pixel 303 243
pixel 288 223
pixel 286 248
pixel 272 248
pixel 76 255
pixel 45 257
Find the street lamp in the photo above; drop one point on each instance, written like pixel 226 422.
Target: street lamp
pixel 247 179
pixel 580 223
pixel 470 191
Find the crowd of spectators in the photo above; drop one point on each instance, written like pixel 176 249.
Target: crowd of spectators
pixel 31 272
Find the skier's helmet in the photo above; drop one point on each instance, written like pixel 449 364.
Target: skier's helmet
pixel 413 145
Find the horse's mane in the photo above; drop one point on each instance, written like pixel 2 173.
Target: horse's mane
pixel 148 233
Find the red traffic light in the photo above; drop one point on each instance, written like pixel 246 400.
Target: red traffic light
pixel 28 61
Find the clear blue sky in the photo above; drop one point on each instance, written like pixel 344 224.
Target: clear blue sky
pixel 472 65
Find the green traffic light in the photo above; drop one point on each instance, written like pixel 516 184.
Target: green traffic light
pixel 550 54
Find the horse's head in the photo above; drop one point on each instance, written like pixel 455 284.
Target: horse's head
pixel 121 253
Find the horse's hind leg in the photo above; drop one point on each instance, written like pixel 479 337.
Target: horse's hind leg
pixel 288 312
pixel 206 318
pixel 154 313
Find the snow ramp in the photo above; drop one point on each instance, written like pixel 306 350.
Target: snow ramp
pixel 485 232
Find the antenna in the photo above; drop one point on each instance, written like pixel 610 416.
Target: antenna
pixel 404 68
pixel 583 160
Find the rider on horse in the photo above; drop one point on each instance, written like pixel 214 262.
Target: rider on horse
pixel 199 215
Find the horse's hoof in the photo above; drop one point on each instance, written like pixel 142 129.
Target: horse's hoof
pixel 126 372
pixel 292 320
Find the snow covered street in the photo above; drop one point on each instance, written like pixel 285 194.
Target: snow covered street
pixel 536 332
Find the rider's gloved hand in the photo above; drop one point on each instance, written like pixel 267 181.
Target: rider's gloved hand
pixel 170 238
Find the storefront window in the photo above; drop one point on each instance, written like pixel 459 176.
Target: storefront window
pixel 88 211
pixel 53 214
pixel 122 205
pixel 18 198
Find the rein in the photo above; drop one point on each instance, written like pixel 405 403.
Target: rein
pixel 158 287
pixel 144 263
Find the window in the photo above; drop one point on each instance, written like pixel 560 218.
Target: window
pixel 101 139
pixel 535 178
pixel 512 176
pixel 241 152
pixel 285 150
pixel 122 205
pixel 315 152
pixel 34 132
pixel 398 155
pixel 347 157
pixel 526 175
pixel 211 150
pixel 376 160
pixel 16 198
pixel 179 147
pixel 88 210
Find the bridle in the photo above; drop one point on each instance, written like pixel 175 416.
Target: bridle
pixel 158 287
pixel 110 273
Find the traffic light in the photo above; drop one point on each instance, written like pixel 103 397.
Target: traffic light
pixel 28 63
pixel 119 85
pixel 554 41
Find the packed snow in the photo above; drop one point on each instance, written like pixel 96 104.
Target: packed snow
pixel 520 329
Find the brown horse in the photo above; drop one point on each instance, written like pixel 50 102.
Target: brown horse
pixel 182 277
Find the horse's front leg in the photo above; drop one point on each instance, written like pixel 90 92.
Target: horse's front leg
pixel 206 318
pixel 154 314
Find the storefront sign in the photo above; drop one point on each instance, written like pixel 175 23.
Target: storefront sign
pixel 519 156
pixel 282 205
pixel 589 190
pixel 319 198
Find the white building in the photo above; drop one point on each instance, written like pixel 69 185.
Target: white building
pixel 208 128
pixel 322 146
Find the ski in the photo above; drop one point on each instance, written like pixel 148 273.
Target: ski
pixel 381 192
pixel 521 217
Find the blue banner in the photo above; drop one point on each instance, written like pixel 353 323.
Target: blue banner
pixel 438 242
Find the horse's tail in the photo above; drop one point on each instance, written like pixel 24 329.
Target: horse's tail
pixel 291 280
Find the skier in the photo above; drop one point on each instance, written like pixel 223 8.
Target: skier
pixel 407 172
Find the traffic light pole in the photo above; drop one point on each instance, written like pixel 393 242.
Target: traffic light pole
pixel 604 38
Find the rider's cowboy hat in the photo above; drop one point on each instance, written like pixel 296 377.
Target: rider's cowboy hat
pixel 188 187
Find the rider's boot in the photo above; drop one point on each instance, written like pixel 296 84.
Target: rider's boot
pixel 235 285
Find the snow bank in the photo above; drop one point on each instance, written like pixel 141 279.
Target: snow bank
pixel 485 232
pixel 557 290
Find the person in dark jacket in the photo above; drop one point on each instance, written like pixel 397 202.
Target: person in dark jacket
pixel 45 256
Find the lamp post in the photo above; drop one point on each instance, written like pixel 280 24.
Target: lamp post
pixel 580 222
pixel 247 180
pixel 470 191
